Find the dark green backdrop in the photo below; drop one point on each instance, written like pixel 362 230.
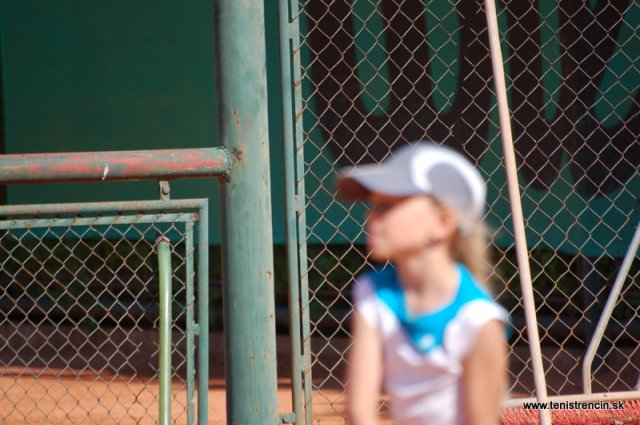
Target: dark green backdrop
pixel 84 75
pixel 116 75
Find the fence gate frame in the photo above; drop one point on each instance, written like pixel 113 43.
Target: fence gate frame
pixel 164 165
pixel 188 212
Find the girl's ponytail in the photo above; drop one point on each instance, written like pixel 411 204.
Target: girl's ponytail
pixel 471 248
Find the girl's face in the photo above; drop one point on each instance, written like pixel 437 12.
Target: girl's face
pixel 401 226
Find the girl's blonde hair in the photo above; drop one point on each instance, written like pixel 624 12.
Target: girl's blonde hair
pixel 471 248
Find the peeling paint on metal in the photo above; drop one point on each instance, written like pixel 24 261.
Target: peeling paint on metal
pixel 116 165
pixel 238 154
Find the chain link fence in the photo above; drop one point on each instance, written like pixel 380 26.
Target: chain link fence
pixel 380 74
pixel 79 338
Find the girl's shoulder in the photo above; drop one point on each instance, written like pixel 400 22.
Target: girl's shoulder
pixel 476 308
pixel 382 276
pixel 376 294
pixel 380 282
pixel 473 296
pixel 470 289
pixel 373 281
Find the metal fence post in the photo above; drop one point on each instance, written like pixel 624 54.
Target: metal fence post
pixel 164 266
pixel 249 312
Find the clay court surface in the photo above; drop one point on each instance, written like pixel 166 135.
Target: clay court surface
pixel 53 400
pixel 56 395
pixel 59 395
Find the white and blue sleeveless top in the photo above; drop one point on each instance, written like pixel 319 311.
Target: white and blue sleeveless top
pixel 423 355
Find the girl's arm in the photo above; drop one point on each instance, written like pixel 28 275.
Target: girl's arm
pixel 364 373
pixel 485 375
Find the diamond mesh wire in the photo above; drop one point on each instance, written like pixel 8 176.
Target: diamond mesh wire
pixel 78 330
pixel 379 74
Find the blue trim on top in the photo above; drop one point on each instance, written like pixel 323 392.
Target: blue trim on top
pixel 427 330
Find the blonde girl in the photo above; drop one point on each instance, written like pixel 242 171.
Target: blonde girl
pixel 425 330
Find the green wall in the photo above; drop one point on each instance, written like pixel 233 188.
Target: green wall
pixel 116 75
pixel 85 75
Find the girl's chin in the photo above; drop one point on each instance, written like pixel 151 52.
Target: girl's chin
pixel 377 254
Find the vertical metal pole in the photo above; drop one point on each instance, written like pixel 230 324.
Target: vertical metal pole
pixel 203 314
pixel 623 273
pixel 191 325
pixel 292 207
pixel 298 107
pixel 300 200
pixel 516 208
pixel 247 240
pixel 164 271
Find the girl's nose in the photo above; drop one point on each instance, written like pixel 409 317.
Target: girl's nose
pixel 378 210
pixel 374 214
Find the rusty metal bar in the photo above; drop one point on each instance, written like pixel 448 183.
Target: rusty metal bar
pixel 162 164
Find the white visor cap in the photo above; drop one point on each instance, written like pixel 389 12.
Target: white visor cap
pixel 419 168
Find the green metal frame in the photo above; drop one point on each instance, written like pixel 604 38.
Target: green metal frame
pixel 189 212
pixel 299 322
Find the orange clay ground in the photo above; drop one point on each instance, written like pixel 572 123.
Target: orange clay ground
pixel 53 401
pixel 68 396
